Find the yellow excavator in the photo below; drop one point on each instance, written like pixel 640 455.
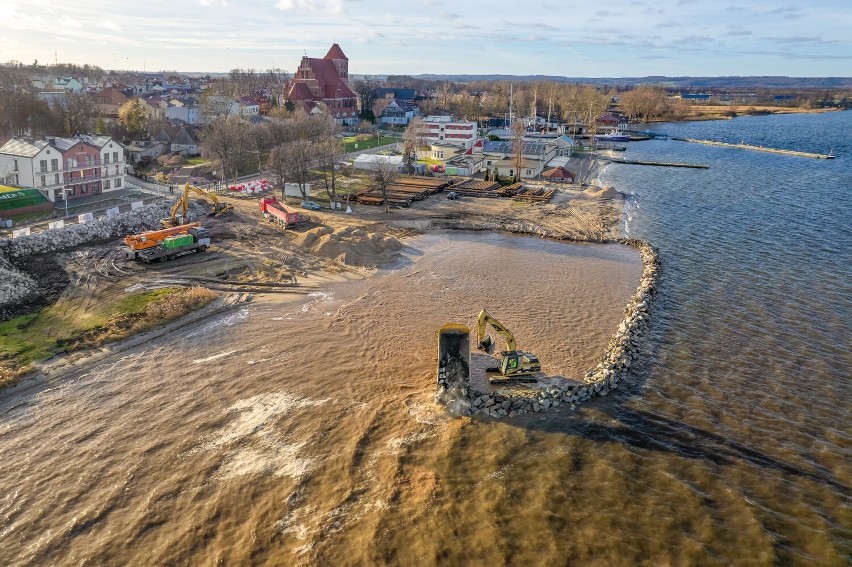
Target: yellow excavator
pixel 515 365
pixel 180 209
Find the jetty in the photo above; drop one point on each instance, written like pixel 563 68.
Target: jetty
pixel 657 163
pixel 743 146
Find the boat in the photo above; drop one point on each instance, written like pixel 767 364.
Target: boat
pixel 612 137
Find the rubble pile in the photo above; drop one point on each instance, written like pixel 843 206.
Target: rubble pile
pixel 16 286
pixel 350 245
pixel 13 284
pixel 144 218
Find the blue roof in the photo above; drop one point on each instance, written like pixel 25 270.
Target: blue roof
pixel 500 147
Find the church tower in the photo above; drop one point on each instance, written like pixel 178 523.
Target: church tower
pixel 341 62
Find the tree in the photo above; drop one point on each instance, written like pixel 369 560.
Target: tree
pixel 518 131
pixel 384 176
pixel 644 103
pixel 366 91
pixel 132 116
pixel 76 113
pixel 412 140
pixel 226 140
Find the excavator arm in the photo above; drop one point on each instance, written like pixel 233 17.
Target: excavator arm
pixel 486 342
pixel 182 205
pixel 515 365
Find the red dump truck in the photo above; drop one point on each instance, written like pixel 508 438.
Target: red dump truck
pixel 278 212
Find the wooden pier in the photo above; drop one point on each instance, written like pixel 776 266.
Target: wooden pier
pixel 657 163
pixel 757 148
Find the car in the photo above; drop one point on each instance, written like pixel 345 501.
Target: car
pixel 311 206
pixel 452 195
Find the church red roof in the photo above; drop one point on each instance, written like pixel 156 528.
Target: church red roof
pixel 300 91
pixel 335 53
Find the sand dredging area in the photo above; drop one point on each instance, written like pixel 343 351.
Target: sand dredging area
pixel 365 246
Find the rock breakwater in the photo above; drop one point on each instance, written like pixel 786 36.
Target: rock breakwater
pixel 612 368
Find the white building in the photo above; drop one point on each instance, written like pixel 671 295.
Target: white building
pixel 445 129
pixel 186 113
pixel 64 167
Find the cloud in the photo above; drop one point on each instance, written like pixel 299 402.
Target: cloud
pixel 111 26
pixel 310 5
pixel 213 2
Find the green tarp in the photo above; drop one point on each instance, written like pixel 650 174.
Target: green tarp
pixel 17 197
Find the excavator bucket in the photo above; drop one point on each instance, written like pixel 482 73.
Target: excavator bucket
pixel 454 356
pixel 487 344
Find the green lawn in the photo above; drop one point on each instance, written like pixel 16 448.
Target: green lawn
pixel 36 336
pixel 197 160
pixel 352 144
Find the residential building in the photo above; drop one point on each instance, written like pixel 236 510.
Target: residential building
pixel 446 129
pixel 185 110
pixel 109 100
pixel 322 85
pixel 398 113
pixel 60 167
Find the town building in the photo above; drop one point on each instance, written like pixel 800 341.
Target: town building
pixel 322 85
pixel 398 113
pixel 446 129
pixel 63 168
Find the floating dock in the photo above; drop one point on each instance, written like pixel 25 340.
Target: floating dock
pixel 657 163
pixel 757 148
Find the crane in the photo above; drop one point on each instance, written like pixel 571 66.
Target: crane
pixel 182 205
pixel 515 365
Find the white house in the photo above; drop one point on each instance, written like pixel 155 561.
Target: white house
pixel 60 167
pixel 32 163
pixel 398 113
pixel 186 113
pixel 445 129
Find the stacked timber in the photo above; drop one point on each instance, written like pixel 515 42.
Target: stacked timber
pixel 534 194
pixel 476 188
pixel 404 190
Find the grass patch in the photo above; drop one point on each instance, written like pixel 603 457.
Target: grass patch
pixel 197 160
pixel 365 142
pixel 63 327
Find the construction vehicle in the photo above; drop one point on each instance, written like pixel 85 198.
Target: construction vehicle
pixel 515 365
pixel 279 213
pixel 178 218
pixel 454 356
pixel 168 243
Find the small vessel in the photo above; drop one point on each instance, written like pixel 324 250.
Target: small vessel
pixel 612 137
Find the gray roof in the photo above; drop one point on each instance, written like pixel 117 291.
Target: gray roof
pixel 23 147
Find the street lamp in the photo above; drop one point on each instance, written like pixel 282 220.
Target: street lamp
pixel 65 191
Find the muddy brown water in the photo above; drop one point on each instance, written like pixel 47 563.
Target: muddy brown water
pixel 305 433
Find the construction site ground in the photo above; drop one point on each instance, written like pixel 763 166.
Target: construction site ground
pixel 252 258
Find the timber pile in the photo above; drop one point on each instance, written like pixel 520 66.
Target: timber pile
pixel 404 190
pixel 475 188
pixel 534 194
pixel 511 190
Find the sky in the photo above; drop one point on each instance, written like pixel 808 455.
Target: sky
pixel 616 38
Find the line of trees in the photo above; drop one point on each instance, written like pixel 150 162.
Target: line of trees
pixel 296 147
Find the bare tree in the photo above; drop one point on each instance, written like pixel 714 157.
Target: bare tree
pixel 226 139
pixel 76 113
pixel 518 131
pixel 383 177
pixel 412 140
pixel 329 150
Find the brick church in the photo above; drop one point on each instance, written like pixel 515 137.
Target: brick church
pixel 323 85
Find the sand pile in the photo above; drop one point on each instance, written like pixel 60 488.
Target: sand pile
pixel 349 245
pixel 603 192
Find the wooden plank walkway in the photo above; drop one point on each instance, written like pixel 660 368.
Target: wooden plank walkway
pixel 829 155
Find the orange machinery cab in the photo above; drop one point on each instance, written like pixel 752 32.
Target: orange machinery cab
pixel 153 238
